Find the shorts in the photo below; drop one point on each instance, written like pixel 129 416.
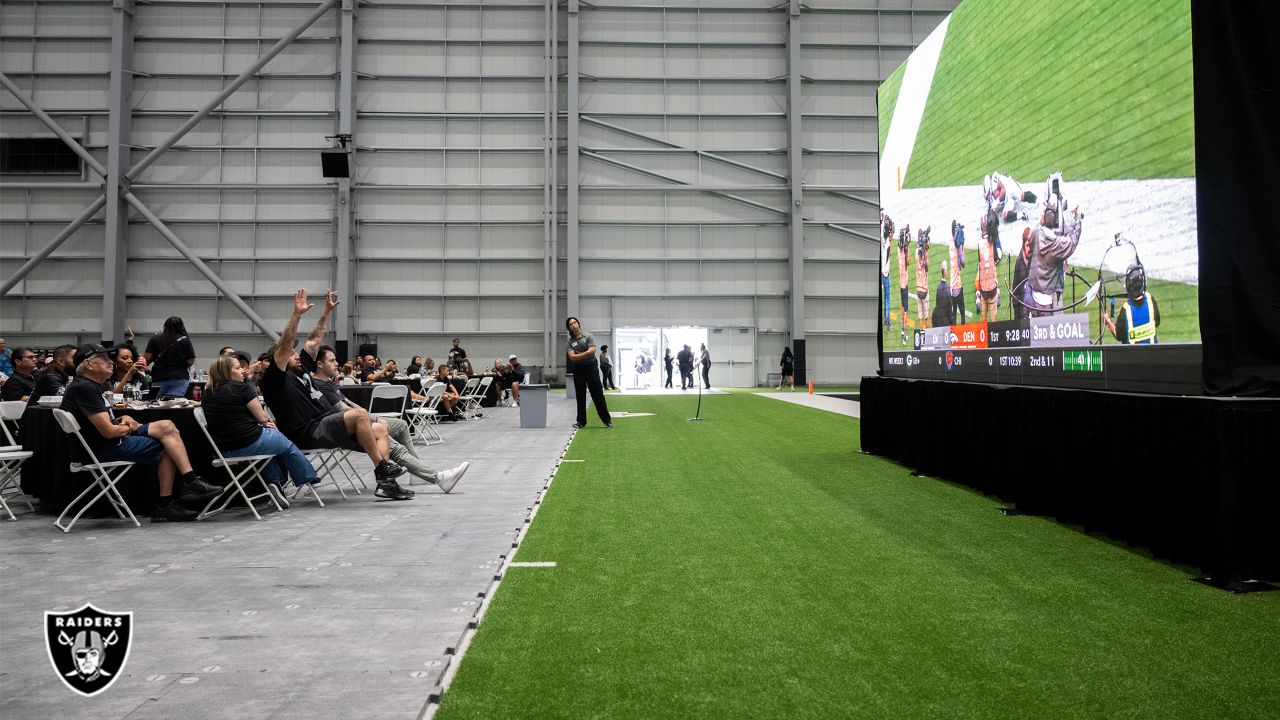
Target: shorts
pixel 135 447
pixel 330 431
pixel 989 295
pixel 788 371
pixel 922 295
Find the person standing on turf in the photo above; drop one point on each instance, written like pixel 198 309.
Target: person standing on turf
pixel 586 373
pixel 667 360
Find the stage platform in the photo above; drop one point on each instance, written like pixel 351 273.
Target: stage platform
pixel 347 611
pixel 1188 478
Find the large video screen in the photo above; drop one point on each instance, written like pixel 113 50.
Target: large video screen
pixel 1038 193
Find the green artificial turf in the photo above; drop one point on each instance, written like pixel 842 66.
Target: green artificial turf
pixel 887 99
pixel 755 565
pixel 1179 303
pixel 1098 89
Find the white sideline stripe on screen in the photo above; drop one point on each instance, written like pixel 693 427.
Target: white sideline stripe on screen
pixel 908 112
pixel 565 461
pixel 532 564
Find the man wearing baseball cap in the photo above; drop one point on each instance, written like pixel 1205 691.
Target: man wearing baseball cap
pixel 511 379
pixel 111 438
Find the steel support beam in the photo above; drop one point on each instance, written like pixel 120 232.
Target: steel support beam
pixel 344 240
pixel 84 217
pixel 572 105
pixel 674 181
pixel 795 154
pixel 199 264
pixel 115 271
pixel 548 160
pixel 231 87
pixel 50 123
pixel 553 357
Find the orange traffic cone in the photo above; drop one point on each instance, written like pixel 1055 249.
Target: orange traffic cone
pixel 810 387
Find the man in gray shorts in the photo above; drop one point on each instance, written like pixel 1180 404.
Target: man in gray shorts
pixel 304 416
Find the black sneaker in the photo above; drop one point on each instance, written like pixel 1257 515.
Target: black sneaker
pixel 576 426
pixel 609 426
pixel 387 470
pixel 391 490
pixel 198 490
pixel 173 512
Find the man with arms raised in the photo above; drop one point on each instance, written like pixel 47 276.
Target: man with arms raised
pixel 304 416
pixel 322 363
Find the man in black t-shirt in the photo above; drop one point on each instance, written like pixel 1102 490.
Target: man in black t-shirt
pixel 458 356
pixel 685 360
pixel 511 378
pixel 53 379
pixel 21 382
pixel 324 377
pixel 304 416
pixel 113 439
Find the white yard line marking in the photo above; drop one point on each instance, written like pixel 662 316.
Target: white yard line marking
pixel 917 79
pixel 531 564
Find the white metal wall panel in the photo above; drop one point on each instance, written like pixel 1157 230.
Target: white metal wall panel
pixel 448 201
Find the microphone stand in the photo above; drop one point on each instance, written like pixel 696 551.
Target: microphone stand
pixel 697 414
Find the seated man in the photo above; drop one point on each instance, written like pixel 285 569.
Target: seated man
pixel 21 381
pixel 372 372
pixel 511 378
pixel 55 376
pixel 451 397
pixel 123 438
pixel 309 421
pixel 324 369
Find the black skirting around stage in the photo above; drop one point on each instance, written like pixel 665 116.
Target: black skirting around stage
pixel 1195 480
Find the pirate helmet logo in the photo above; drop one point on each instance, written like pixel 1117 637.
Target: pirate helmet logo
pixel 88 647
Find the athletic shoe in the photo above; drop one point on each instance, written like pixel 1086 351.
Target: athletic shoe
pixel 199 491
pixel 387 470
pixel 173 512
pixel 447 479
pixel 608 426
pixel 576 426
pixel 277 493
pixel 391 490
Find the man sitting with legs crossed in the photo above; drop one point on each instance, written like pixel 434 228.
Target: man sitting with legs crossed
pixel 322 362
pixel 123 438
pixel 304 416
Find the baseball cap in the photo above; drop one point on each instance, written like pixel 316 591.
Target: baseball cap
pixel 513 357
pixel 86 351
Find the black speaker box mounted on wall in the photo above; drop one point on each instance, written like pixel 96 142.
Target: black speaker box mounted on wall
pixel 335 163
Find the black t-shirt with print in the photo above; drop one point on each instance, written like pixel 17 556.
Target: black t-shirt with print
pixel 231 425
pixel 17 387
pixel 296 405
pixel 169 363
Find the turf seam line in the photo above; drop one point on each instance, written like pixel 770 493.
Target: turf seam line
pixel 531 565
pixel 460 648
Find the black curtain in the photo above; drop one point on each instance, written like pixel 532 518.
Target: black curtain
pixel 1237 118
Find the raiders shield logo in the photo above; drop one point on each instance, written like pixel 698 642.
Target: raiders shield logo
pixel 88 647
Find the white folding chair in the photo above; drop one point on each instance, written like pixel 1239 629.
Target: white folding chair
pixel 423 415
pixel 250 469
pixel 11 456
pixel 105 476
pixel 389 392
pixel 471 408
pixel 329 462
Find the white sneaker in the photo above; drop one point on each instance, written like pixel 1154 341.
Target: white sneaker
pixel 447 479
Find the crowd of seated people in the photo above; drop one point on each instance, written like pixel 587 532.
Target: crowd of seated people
pixel 283 402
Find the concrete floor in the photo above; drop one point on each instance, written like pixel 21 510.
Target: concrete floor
pixel 347 611
pixel 817 400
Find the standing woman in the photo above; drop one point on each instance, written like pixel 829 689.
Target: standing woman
pixel 668 360
pixel 586 373
pixel 606 368
pixel 170 356
pixel 788 369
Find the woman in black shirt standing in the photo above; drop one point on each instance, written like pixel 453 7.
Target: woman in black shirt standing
pixel 170 356
pixel 586 373
pixel 240 426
